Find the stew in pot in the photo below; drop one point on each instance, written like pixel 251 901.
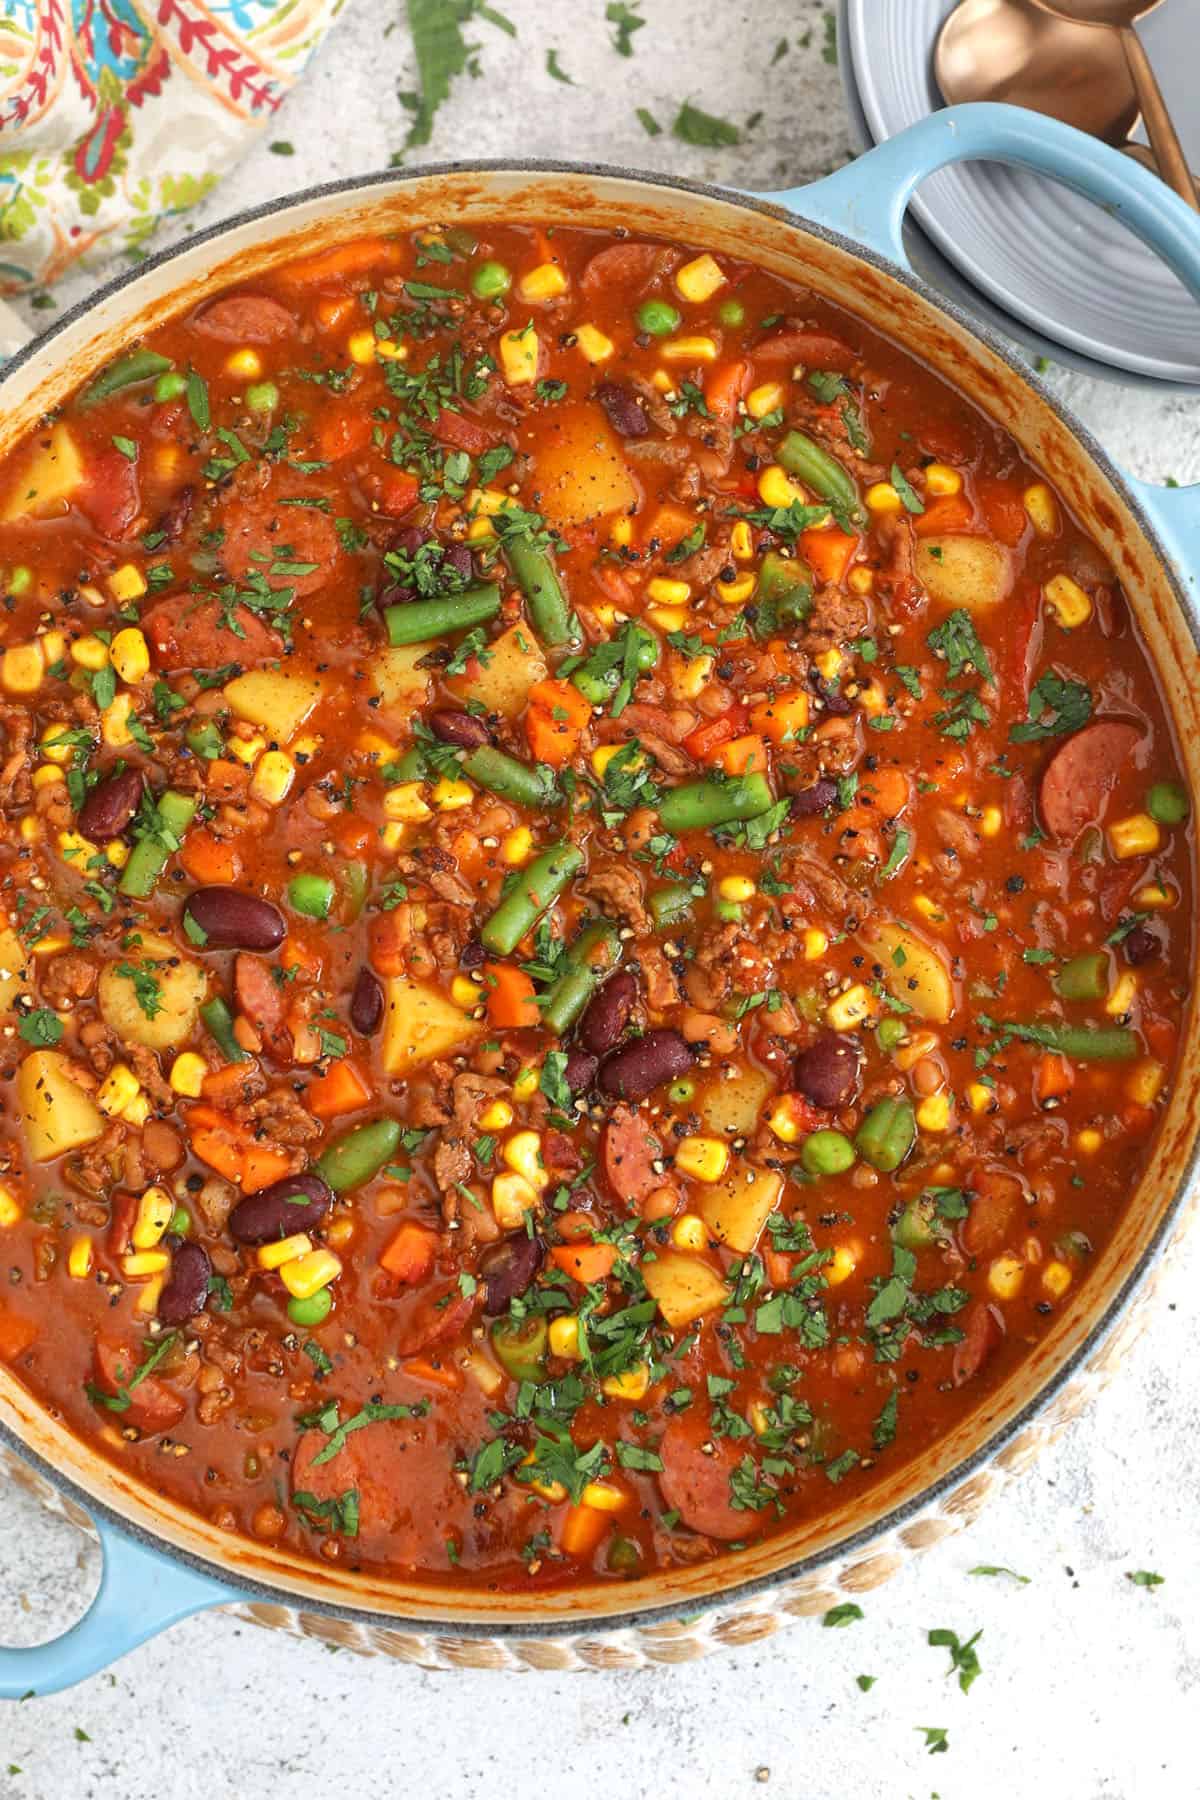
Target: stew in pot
pixel 595 904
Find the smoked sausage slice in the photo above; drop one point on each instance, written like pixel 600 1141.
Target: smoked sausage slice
pixel 695 1483
pixel 1081 774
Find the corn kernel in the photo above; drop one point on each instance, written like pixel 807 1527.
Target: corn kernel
pixel 861 579
pixel 620 532
pixel 929 909
pixel 55 745
pixel 155 1209
pixel 689 1232
pixel 244 365
pixel 765 399
pixel 451 796
pixel 90 652
pixel 304 1276
pixel 1042 509
pixel 117 1089
pixel 246 750
pixel 933 1114
pixel 116 853
pixel 737 591
pixel 516 845
pixel 980 1097
pixel 690 676
pixel 873 699
pixel 31 829
pixel 79 1259
pixel 700 279
pixel 114 722
pixel 546 1490
pixel 148 1296
pixel 75 849
pixel 776 487
pixel 130 655
pixel 702 1158
pixel 127 583
pixel 1056 1279
pixel 22 669
pixel 1123 995
pixel 523 1152
pixel 1089 1141
pixel 360 347
pixel 563 1337
pixel 736 888
pixel 187 1074
pixel 284 1250
pixel 991 821
pixel 741 541
pixel 1006 1276
pixel 512 1198
pixel 829 664
pixel 1154 896
pixel 604 1496
pixel 47 775
pixel 273 776
pixel 940 478
pixel 387 350
pixel 841 1265
pixel 666 592
pixel 1068 602
pixel 603 754
pixel 854 1007
pixel 145 1262
pixel 53 646
pixel 466 993
pixel 526 1084
pixel 138 1110
pixel 519 352
pixel 1145 1081
pixel 339 1232
pixel 10 1211
pixel 816 943
pixel 1138 835
pixel 632 1384
pixel 405 803
pixel 881 497
pixel 783 1122
pixel 606 614
pixel 592 345
pixel 689 350
pixel 668 618
pixel 546 282
pixel 497 1117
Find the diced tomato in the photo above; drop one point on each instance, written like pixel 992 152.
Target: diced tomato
pixel 342 431
pixel 706 739
pixel 398 493
pixel 461 434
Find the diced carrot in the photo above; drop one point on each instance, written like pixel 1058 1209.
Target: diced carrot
pixel 341 432
pixel 334 311
pixel 586 1263
pixel 555 722
pixel 462 434
pixel 233 1153
pixel 298 955
pixel 398 493
pixel 669 526
pixel 226 1083
pixel 1054 1078
pixel 16 1335
pixel 886 790
pixel 342 1090
pixel 218 1151
pixel 583 1528
pixel 247 1035
pixel 511 1002
pixel 949 512
pixel 706 739
pixel 210 860
pixel 387 937
pixel 778 1265
pixel 409 1252
pixel 828 553
pixel 261 1166
pixel 725 387
pixel 781 719
pixel 225 779
pixel 741 754
pixel 443 1375
pixel 358 258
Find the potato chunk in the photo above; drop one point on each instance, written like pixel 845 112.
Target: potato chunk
pixel 48 480
pixel 581 473
pixel 56 1112
pixel 151 994
pixel 420 1024
pixel 273 699
pixel 514 665
pixel 685 1286
pixel 913 971
pixel 729 1106
pixel 398 681
pixel 972 572
pixel 736 1209
pixel 14 966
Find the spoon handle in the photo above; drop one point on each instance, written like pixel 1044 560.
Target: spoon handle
pixel 1164 140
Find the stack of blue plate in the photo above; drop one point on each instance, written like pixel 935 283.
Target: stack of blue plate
pixel 1037 261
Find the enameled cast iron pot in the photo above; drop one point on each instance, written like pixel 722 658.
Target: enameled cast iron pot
pixel 840 237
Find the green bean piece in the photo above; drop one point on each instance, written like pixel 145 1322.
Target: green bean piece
pixel 1084 977
pixel 490 281
pixel 525 784
pixel 535 576
pixel 827 1153
pixel 672 904
pixel 803 457
pixel 521 1345
pixel 537 887
pixel 1168 803
pixel 1080 1043
pixel 658 317
pixel 312 895
pixel 412 621
pixel 361 1153
pixel 150 855
pixel 205 740
pixel 409 767
pixel 915 1228
pixel 699 805
pixel 219 1021
pixel 311 1311
pixel 783 594
pixel 886 1135
pixel 890 1033
pixel 356 884
pixel 595 951
pixel 136 366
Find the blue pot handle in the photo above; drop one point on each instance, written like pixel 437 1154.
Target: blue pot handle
pixel 142 1591
pixel 867 201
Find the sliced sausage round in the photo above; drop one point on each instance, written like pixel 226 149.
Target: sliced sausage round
pixel 244 319
pixel 192 633
pixel 294 1204
pixel 636 1069
pixel 629 1150
pixel 997 1199
pixel 1081 774
pixel 694 1479
pixel 982 1332
pixel 153 1405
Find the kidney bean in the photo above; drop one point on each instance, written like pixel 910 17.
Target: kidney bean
pixel 231 919
pixel 508 1270
pixel 110 805
pixel 174 521
pixel 1140 945
pixel 635 1070
pixel 814 800
pixel 186 1289
pixel 458 728
pixel 836 702
pixel 579 1070
pixel 458 557
pixel 827 1072
pixel 607 1014
pixel 624 413
pixel 472 955
pixel 293 1204
pixel 366 1003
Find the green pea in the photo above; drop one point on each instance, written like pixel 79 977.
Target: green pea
pixel 624 1557
pixel 490 280
pixel 20 580
pixel 890 1034
pixel 680 1092
pixel 263 397
pixel 1168 803
pixel 181 1221
pixel 313 1310
pixel 728 910
pixel 658 317
pixel 827 1153
pixel 731 312
pixel 170 385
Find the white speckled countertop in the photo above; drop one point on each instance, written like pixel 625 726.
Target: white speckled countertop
pixel 1088 1681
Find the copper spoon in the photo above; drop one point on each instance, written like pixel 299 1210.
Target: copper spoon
pixel 1012 50
pixel 1118 16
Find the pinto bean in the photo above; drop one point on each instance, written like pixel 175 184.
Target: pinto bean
pixel 607 1014
pixel 508 1270
pixel 1080 775
pixel 625 415
pixel 579 1070
pixel 111 805
pixel 186 1289
pixel 826 1073
pixel 231 919
pixel 458 728
pixel 366 1003
pixel 294 1204
pixel 635 1070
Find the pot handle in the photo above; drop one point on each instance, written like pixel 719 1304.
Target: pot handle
pixel 142 1591
pixel 867 201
